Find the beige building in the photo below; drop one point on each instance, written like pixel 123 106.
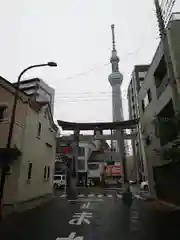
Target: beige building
pixel 35 137
pixel 156 99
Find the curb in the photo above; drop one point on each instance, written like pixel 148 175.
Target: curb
pixel 170 205
pixel 25 207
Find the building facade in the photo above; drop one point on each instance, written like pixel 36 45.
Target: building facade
pixel 156 99
pixel 134 87
pixel 34 136
pixel 38 89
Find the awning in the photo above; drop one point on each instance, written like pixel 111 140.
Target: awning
pixel 8 155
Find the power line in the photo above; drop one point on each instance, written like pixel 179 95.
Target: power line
pixel 87 93
pixel 85 100
pixel 85 72
pixel 124 93
pixel 104 65
pixel 169 11
pixel 166 7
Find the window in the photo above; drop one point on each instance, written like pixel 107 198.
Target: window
pixel 45 172
pixel 149 95
pixel 148 141
pixel 143 106
pixel 39 130
pixel 2 112
pixel 46 113
pixel 81 164
pixel 142 75
pixel 48 172
pixel 81 151
pixel 29 171
pixel 146 102
pixel 93 166
pixel 57 177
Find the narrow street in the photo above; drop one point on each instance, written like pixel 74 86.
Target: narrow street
pixel 92 216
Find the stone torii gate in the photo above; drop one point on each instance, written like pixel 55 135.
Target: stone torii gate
pixel 99 126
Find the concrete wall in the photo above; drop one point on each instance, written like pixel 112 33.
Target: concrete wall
pixel 174 42
pixel 6 98
pixel 158 102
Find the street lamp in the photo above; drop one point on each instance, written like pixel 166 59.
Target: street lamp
pixel 11 127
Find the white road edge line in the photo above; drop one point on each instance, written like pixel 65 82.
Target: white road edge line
pixel 119 195
pixel 109 196
pixel 86 200
pixel 91 195
pixel 63 196
pixel 138 196
pixel 81 195
pixel 100 196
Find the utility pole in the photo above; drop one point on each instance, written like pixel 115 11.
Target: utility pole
pixel 167 55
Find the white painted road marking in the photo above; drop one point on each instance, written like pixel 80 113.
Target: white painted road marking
pixel 71 237
pixel 138 197
pixel 63 196
pixel 86 205
pixel 109 196
pixel 81 195
pixel 86 200
pixel 79 218
pixel 91 195
pixel 100 196
pixel 119 195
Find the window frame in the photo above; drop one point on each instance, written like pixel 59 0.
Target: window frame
pixel 4 108
pixel 45 172
pixel 39 130
pixel 149 94
pixel 29 177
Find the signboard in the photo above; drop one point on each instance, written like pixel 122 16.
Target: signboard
pixel 113 170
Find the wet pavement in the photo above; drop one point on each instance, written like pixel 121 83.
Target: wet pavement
pixel 93 216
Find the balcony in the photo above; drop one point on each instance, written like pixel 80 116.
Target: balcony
pixel 161 88
pixel 174 16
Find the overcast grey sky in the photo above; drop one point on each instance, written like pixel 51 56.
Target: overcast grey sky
pixel 77 35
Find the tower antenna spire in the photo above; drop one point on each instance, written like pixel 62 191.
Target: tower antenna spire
pixel 113 37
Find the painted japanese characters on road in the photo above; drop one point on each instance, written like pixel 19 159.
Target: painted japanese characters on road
pixel 79 218
pixel 71 237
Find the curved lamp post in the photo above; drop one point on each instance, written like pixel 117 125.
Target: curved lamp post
pixel 11 127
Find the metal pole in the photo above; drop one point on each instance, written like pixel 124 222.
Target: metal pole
pixel 65 186
pixel 167 55
pixel 127 195
pixel 11 127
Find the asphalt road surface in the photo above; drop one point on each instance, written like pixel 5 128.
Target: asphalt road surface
pixel 92 216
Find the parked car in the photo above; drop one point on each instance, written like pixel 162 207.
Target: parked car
pixel 144 186
pixel 59 180
pixel 132 182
